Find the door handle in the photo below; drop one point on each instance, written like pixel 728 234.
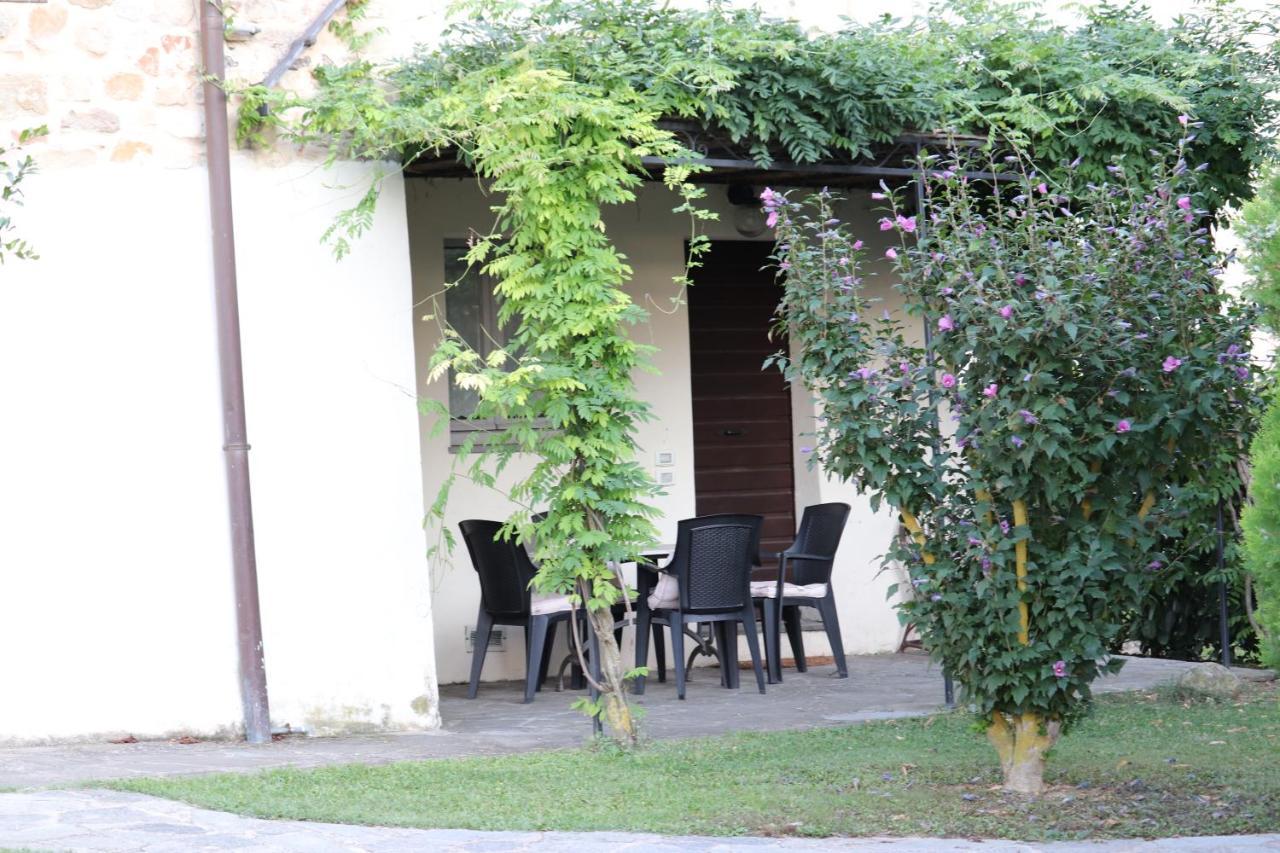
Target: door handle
pixel 733 432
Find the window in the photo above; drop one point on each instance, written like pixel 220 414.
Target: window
pixel 471 308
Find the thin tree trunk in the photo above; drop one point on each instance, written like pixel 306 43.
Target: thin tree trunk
pixel 613 689
pixel 1022 742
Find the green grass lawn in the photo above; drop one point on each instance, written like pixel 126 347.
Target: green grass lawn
pixel 1140 766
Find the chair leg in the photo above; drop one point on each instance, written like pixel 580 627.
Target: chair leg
pixel 753 642
pixel 831 622
pixel 729 653
pixel 643 625
pixel 772 652
pixel 484 627
pixel 546 653
pixel 537 642
pixel 660 652
pixel 791 616
pixel 677 650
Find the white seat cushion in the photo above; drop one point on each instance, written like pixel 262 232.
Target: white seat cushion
pixel 769 589
pixel 666 594
pixel 544 603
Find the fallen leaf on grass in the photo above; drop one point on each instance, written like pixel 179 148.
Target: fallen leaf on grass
pixel 125 739
pixel 185 739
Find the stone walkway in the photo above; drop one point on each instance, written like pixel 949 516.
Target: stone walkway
pixel 113 822
pixel 878 687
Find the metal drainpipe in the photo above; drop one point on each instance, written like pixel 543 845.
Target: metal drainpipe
pixel 253 673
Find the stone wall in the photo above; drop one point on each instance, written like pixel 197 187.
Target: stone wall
pixel 117 81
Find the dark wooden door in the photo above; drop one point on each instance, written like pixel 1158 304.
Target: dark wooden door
pixel 741 412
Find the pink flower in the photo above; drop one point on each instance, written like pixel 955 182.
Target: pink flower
pixel 1006 311
pixel 772 219
pixel 1171 364
pixel 907 223
pixel 857 244
pixel 1185 202
pixel 1123 426
pixel 891 253
pixel 844 262
pixel 1059 669
pixel 885 223
pixel 948 381
pixel 991 391
pixel 1043 188
pixel 1183 119
pixel 877 196
pixel 1019 279
pixel 945 323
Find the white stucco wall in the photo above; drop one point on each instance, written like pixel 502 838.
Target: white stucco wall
pixel 652 238
pixel 117 610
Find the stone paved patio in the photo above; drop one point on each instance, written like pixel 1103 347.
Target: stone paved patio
pixel 879 687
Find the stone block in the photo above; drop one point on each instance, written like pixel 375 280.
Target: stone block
pixel 174 94
pixel 124 87
pixel 126 151
pixel 23 94
pixel 77 88
pixel 1211 679
pixel 96 120
pixel 93 40
pixel 46 21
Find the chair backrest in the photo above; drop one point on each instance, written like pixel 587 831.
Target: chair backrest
pixel 503 566
pixel 713 562
pixel 733 517
pixel 821 527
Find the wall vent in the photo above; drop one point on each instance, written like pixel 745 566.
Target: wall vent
pixel 497 639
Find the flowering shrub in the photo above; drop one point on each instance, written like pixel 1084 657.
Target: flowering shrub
pixel 1084 374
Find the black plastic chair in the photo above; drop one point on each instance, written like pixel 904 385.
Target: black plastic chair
pixel 712 566
pixel 802 570
pixel 505 572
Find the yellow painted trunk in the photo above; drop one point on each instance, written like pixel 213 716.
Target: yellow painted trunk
pixel 1023 742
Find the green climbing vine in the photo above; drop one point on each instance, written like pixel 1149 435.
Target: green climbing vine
pixel 554 104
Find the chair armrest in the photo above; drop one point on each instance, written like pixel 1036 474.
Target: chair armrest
pixel 789 555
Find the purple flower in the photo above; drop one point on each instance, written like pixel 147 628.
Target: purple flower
pixel 907 223
pixel 986 565
pixel 891 253
pixel 1043 188
pixel 1004 526
pixel 771 220
pixel 857 244
pixel 865 373
pixel 769 198
pixel 991 391
pixel 1028 417
pixel 1171 364
pixel 844 262
pixel 1123 426
pixel 1019 279
pixel 1183 119
pixel 1059 669
pixel 785 265
pixel 1006 311
pixel 945 323
pixel 877 196
pixel 1242 373
pixel 937 596
pixel 948 381
pixel 1026 377
pixel 1155 566
pixel 885 223
pixel 948 291
pixel 975 541
pixel 904 367
pixel 1184 202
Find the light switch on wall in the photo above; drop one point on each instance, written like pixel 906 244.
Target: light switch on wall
pixel 664 458
pixel 666 478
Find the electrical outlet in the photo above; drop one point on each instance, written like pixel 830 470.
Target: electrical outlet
pixel 497 639
pixel 666 478
pixel 664 458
